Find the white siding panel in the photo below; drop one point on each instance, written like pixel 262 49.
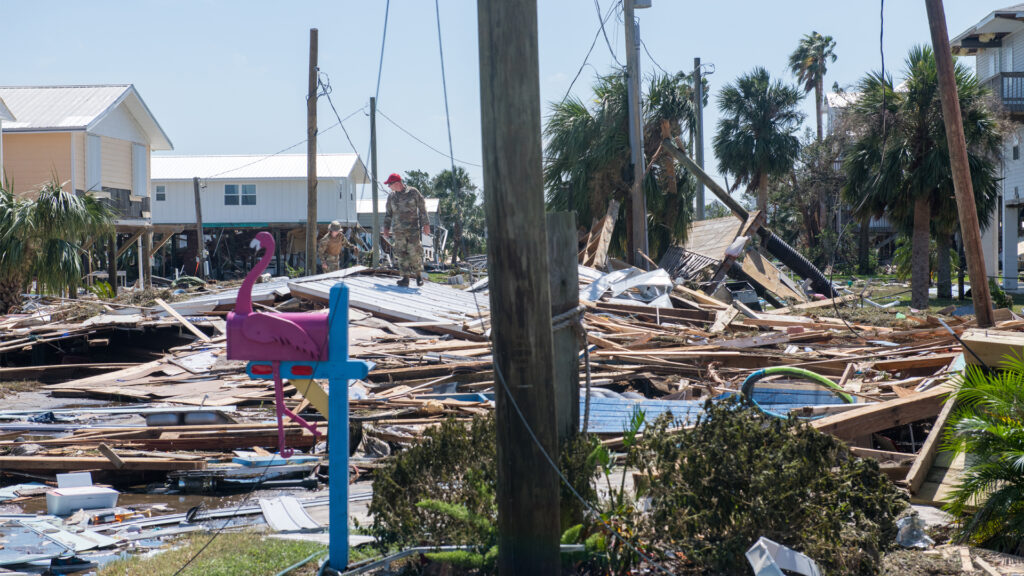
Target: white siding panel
pixel 93 162
pixel 118 123
pixel 277 201
pixel 1016 41
pixel 983 63
pixel 140 170
pixel 117 163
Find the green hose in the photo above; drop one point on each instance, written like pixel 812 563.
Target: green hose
pixel 303 562
pixel 747 390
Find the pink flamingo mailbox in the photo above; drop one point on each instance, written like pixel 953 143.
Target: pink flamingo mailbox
pixel 302 346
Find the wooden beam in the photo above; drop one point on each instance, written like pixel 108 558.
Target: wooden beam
pixel 926 455
pixel 563 277
pixel 992 346
pixel 67 464
pixel 129 243
pixel 184 322
pixel 827 303
pixel 882 416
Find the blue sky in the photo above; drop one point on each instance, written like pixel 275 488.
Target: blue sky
pixel 230 76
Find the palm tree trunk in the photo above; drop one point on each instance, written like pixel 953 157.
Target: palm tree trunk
pixel 10 291
pixel 919 272
pixel 864 246
pixel 762 193
pixel 817 105
pixel 944 283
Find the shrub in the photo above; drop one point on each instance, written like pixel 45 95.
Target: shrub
pixel 739 475
pixel 988 426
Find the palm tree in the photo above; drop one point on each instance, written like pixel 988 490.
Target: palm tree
pixel 913 179
pixel 460 209
pixel 987 425
pixel 756 138
pixel 810 63
pixel 587 159
pixel 42 239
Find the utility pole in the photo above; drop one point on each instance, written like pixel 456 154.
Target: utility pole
pixel 311 224
pixel 968 210
pixel 520 297
pixel 200 243
pixel 698 132
pixel 636 137
pixel 373 175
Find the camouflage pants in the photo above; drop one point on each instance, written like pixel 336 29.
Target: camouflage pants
pixel 409 253
pixel 331 263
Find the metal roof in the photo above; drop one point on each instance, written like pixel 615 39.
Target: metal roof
pixel 5 112
pixel 60 108
pixel 366 206
pixel 256 166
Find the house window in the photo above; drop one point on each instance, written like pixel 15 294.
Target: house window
pixel 235 195
pixel 161 193
pixel 1016 152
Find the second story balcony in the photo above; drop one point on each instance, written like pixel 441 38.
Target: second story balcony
pixel 1008 88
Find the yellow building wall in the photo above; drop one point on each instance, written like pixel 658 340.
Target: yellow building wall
pixel 117 163
pixel 32 160
pixel 78 143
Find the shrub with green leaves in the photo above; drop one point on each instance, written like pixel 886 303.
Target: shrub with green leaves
pixel 988 426
pixel 455 463
pixel 739 475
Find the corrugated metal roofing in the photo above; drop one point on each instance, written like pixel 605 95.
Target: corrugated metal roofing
pixel 49 107
pixel 5 112
pixel 253 166
pixel 77 108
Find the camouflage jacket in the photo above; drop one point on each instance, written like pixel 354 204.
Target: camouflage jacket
pixel 328 246
pixel 406 209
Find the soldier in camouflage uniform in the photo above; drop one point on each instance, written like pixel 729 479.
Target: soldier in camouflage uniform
pixel 408 211
pixel 329 247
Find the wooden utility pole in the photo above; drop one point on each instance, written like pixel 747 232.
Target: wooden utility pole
pixel 698 132
pixel 520 297
pixel 200 243
pixel 966 207
pixel 311 224
pixel 373 175
pixel 564 279
pixel 636 138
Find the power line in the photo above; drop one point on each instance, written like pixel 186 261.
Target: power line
pixel 597 6
pixel 326 86
pixel 283 150
pixel 416 138
pixel 380 65
pixel 589 52
pixel 644 44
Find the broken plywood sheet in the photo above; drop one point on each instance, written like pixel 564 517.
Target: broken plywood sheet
pixel 711 237
pixel 436 307
pixel 765 273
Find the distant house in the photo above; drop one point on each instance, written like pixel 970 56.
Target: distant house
pixel 252 192
pixel 997 43
pixel 95 138
pixel 365 211
pixel 5 114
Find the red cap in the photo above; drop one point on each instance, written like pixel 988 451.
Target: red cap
pixel 392 179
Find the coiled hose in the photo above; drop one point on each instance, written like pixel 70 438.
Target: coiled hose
pixel 787 255
pixel 747 389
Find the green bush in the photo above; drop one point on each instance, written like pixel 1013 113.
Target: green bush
pixel 739 475
pixel 455 464
pixel 988 426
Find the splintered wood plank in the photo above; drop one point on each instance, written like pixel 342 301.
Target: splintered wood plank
pixel 884 415
pixel 184 322
pixel 65 464
pixel 926 455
